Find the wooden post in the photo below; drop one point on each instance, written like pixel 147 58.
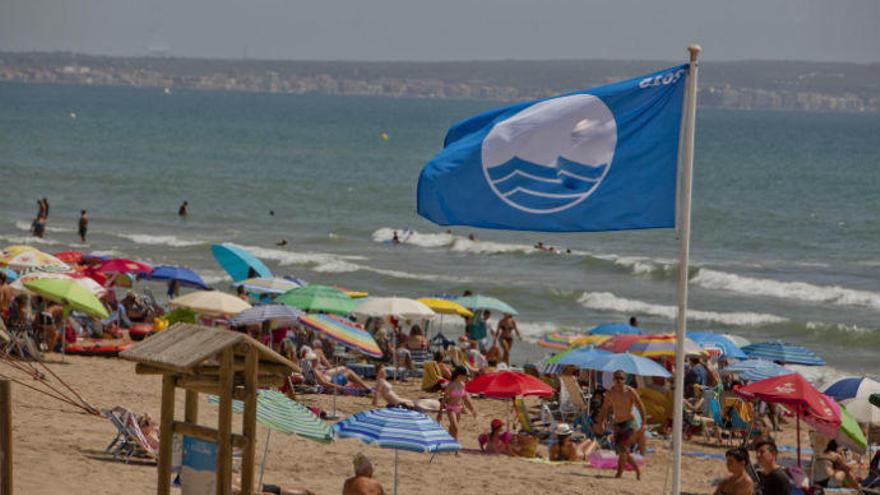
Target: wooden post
pixel 249 426
pixel 224 426
pixel 5 438
pixel 166 435
pixel 191 410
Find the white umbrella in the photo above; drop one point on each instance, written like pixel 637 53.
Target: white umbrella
pixel 211 303
pixel 862 411
pixel 739 341
pixel 402 307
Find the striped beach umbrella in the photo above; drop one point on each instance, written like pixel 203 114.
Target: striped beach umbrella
pixel 718 341
pixel 398 429
pixel 279 313
pixel 267 285
pixel 346 332
pixel 32 259
pixel 663 346
pixel 852 387
pixel 278 412
pixel 755 370
pixel 579 356
pixel 784 352
pixel 628 363
pixel 559 340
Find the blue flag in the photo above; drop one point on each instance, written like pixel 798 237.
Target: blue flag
pixel 594 160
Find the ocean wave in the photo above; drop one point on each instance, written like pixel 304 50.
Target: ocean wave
pixel 532 331
pixel 160 240
pixel 26 239
pixel 26 226
pixel 841 296
pixel 606 301
pixel 386 234
pixel 213 277
pixel 845 334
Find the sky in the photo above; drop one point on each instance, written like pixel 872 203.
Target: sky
pixel 421 30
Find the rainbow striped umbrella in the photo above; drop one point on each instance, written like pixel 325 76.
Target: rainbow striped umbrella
pixel 346 332
pixel 559 340
pixel 662 345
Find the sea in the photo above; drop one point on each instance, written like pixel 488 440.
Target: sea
pixel 785 235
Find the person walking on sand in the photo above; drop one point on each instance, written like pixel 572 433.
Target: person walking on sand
pixel 83 225
pixel 362 483
pixel 620 399
pixel 506 328
pixel 455 398
pixel 184 209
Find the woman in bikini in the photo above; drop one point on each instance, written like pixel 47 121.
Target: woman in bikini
pixel 566 450
pixel 506 329
pixel 454 399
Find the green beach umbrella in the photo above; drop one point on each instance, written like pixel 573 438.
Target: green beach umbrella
pixel 316 297
pixel 68 293
pixel 278 412
pixel 850 429
pixel 486 302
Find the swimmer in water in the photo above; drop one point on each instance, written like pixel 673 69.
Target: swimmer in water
pixel 282 242
pixel 395 239
pixel 472 237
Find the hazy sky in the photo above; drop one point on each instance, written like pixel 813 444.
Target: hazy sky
pixel 843 30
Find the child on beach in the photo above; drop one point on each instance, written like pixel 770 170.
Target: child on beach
pixel 455 398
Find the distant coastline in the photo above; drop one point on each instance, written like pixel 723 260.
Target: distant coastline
pixel 745 85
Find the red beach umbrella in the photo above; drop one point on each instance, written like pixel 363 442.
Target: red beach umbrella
pixel 796 393
pixel 123 265
pixel 620 343
pixel 70 257
pixel 507 385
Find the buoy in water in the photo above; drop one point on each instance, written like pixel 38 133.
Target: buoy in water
pixel 384 136
pixel 72 115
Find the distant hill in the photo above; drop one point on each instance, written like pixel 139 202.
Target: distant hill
pixel 762 85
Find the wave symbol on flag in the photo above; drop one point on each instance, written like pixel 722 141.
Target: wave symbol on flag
pixel 551 155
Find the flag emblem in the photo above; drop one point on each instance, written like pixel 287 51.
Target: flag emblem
pixel 552 155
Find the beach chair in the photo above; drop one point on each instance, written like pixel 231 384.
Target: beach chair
pixel 572 401
pixel 431 377
pixel 532 425
pixel 129 441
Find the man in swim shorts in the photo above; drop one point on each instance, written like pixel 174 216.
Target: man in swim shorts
pixel 620 399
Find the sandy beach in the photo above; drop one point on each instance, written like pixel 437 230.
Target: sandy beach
pixel 60 450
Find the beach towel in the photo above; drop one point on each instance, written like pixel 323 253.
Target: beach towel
pixel 607 459
pixel 704 455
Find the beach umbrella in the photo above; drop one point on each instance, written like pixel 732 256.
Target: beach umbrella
pixel 400 307
pixel 85 282
pixel 852 387
pixel 32 259
pixel 11 276
pixel 662 346
pixel 267 285
pixel 279 313
pixel 755 370
pixel 182 275
pixel 628 363
pixel 615 329
pixel 17 249
pixel 211 303
pixel 710 339
pixel 398 429
pixel 238 263
pixel 850 433
pixel 277 412
pixel 71 257
pixel 486 302
pixel 578 356
pixel 508 385
pixel 445 306
pixel 124 265
pixel 619 343
pixel 874 399
pixel 736 339
pixel 316 297
pixel 863 410
pixel 68 293
pixel 784 352
pixel 794 392
pixel 346 332
pixel 559 340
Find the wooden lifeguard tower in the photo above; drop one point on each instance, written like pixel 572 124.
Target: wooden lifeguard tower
pixel 207 360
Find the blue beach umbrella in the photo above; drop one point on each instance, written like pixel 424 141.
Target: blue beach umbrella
pixel 628 363
pixel 852 387
pixel 398 429
pixel 238 263
pixel 757 369
pixel 784 352
pixel 279 313
pixel 615 329
pixel 710 339
pixel 579 356
pixel 182 275
pixel 11 276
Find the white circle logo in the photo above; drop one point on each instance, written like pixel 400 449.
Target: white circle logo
pixel 551 155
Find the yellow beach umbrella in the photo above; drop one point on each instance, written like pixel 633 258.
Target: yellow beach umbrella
pixel 445 306
pixel 33 259
pixel 17 249
pixel 211 303
pixel 354 294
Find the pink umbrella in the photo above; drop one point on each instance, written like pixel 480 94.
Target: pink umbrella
pixel 122 265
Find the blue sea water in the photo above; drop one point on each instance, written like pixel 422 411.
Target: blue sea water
pixel 786 220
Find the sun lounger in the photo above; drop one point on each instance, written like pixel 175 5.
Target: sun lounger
pixel 130 441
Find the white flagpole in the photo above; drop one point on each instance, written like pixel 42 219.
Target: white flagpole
pixel 684 217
